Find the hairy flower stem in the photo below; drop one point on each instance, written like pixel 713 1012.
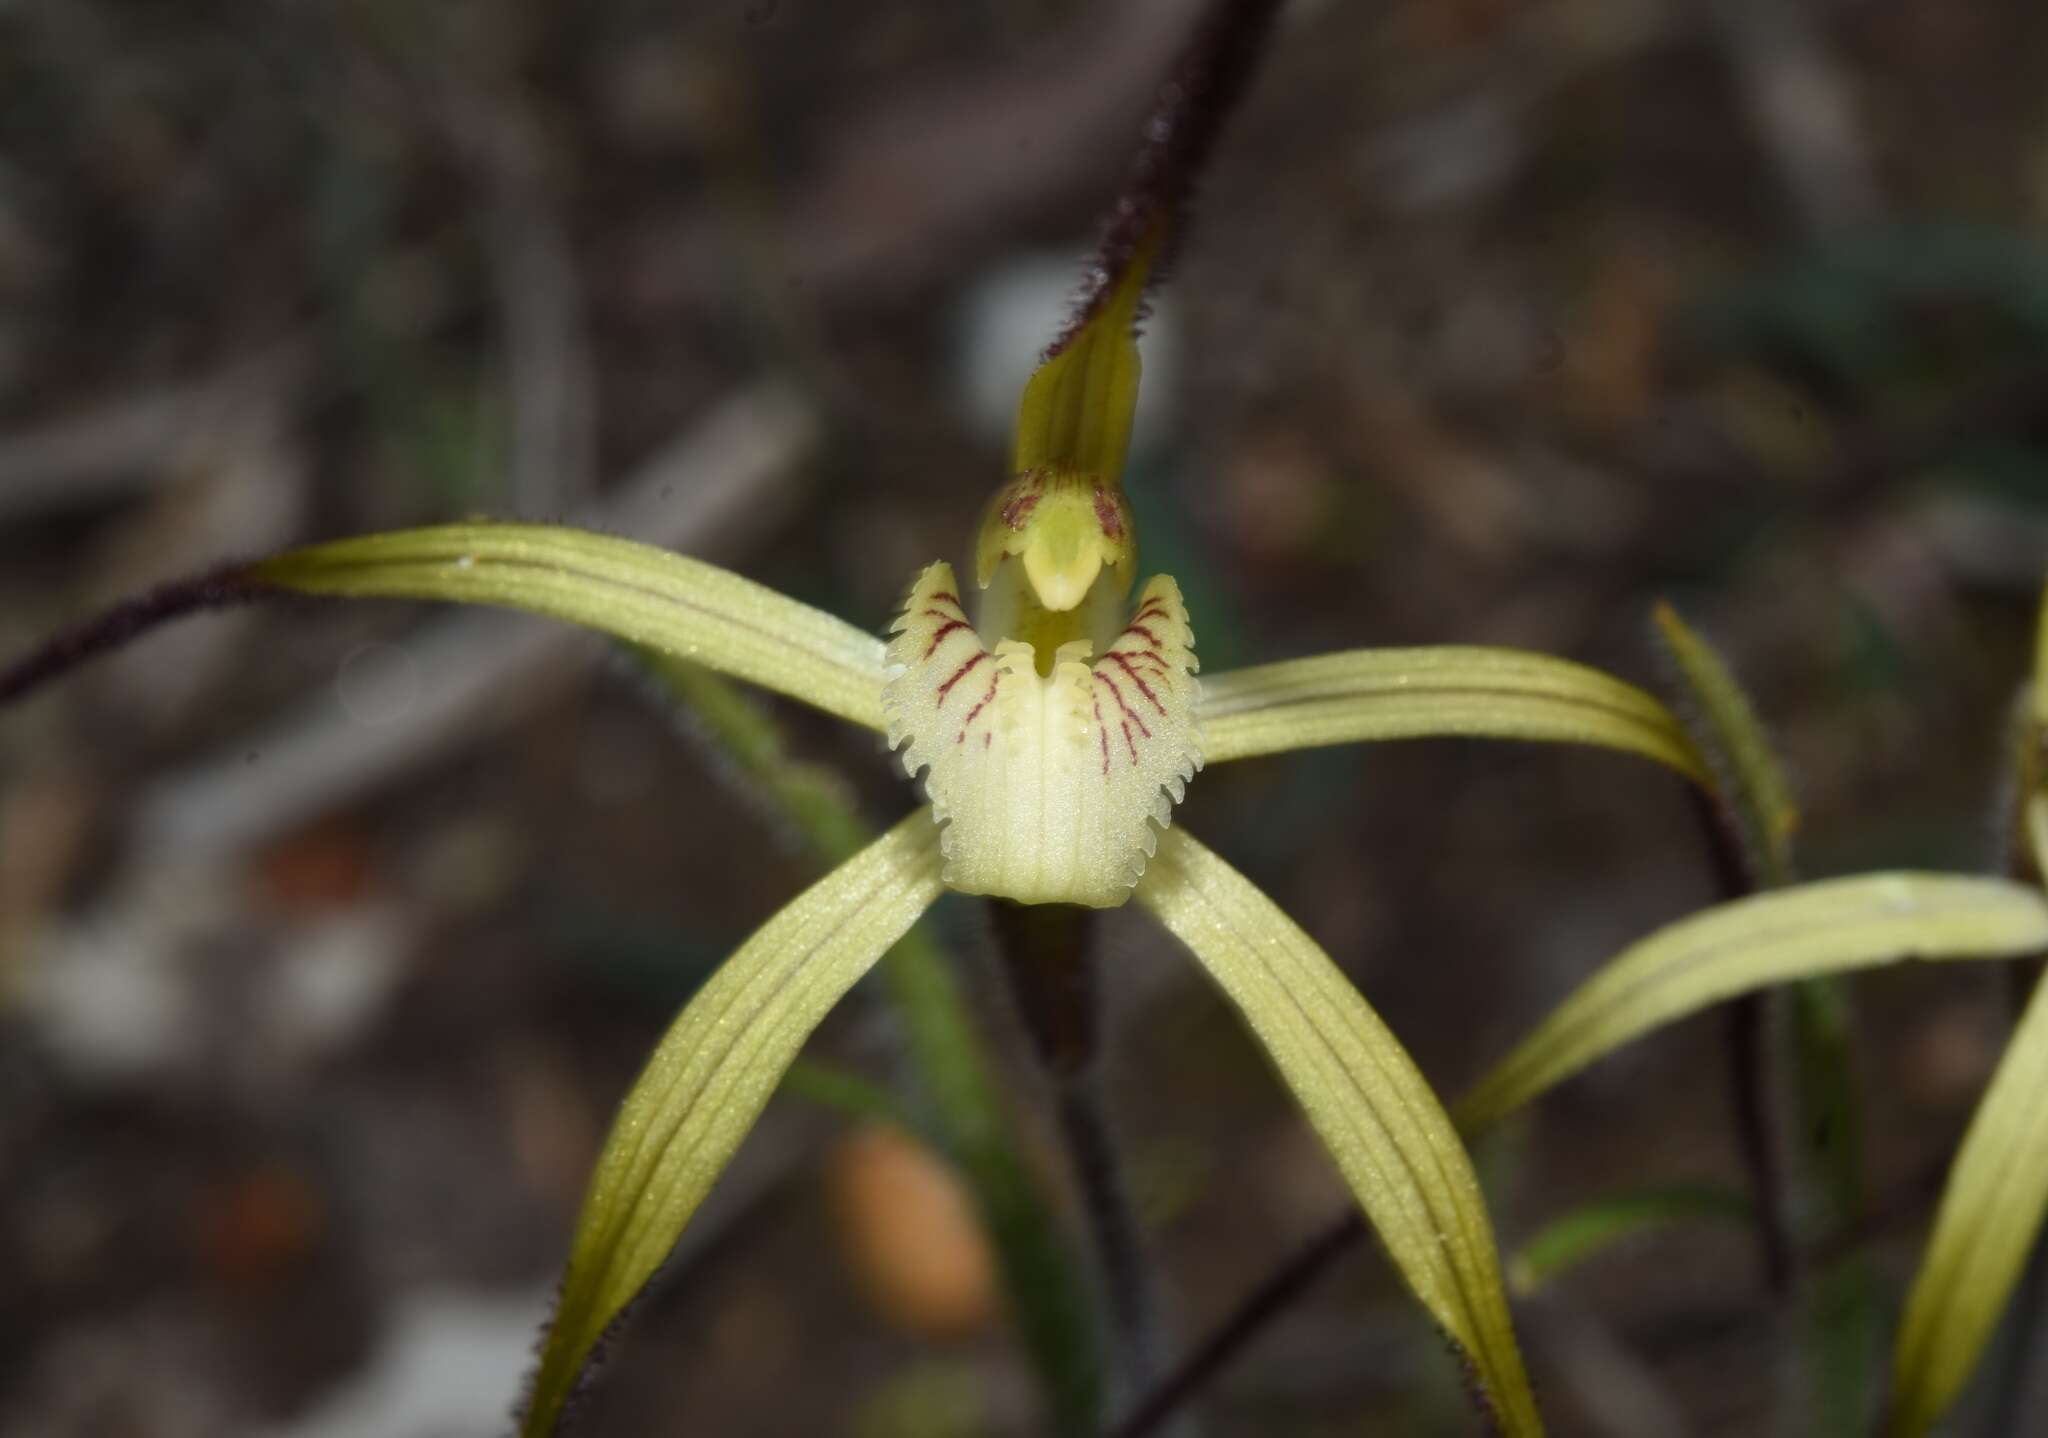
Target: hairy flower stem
pixel 1119 1245
pixel 216 588
pixel 1790 1050
pixel 1048 954
pixel 1149 219
pixel 1758 1135
pixel 1757 1130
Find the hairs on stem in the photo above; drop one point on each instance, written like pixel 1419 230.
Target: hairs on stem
pixel 216 588
pixel 1208 77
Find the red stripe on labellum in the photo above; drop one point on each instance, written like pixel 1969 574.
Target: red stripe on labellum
pixel 1125 665
pixel 959 674
pixel 1128 712
pixel 941 632
pixel 980 704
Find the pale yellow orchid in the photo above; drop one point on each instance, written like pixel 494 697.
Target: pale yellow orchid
pixel 1055 724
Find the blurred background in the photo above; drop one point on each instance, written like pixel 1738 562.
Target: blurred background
pixel 330 935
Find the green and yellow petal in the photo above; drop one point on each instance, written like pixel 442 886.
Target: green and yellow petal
pixel 708 1081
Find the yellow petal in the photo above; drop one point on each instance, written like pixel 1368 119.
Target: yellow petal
pixel 708 1081
pixel 1048 785
pixel 635 592
pixel 1373 1110
pixel 1800 932
pixel 1990 1213
pixel 1374 694
pixel 1050 1305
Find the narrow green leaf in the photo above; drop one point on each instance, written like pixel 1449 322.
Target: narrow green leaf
pixel 1990 1214
pixel 1566 1242
pixel 1810 929
pixel 639 593
pixel 810 798
pixel 1747 774
pixel 847 1093
pixel 1371 1107
pixel 1372 694
pixel 709 1079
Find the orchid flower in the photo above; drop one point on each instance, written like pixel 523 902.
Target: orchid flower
pixel 1052 714
pixel 1055 722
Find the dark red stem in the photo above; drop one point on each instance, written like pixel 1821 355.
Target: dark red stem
pixel 111 628
pixel 1208 77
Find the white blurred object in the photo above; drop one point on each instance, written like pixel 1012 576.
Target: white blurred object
pixel 450 1366
pixel 1014 311
pixel 111 993
pixel 122 994
pixel 331 977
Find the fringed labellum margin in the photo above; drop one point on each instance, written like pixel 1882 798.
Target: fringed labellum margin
pixel 1048 784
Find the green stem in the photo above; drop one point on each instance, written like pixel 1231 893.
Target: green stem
pixel 829 1086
